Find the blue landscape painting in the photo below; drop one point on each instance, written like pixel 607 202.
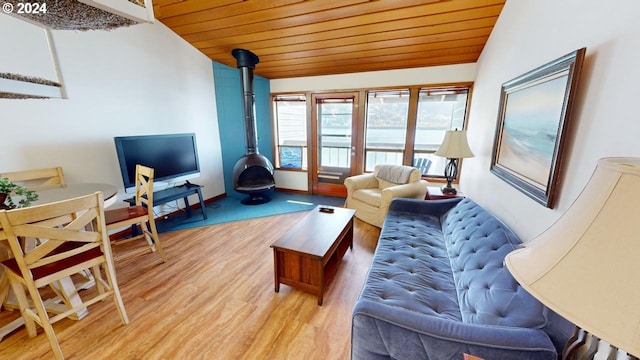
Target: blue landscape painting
pixel 530 129
pixel 291 157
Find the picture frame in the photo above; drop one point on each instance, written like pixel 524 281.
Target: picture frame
pixel 533 117
pixel 291 157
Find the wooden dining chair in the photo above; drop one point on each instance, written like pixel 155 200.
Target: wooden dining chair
pixel 140 216
pixel 37 178
pixel 67 237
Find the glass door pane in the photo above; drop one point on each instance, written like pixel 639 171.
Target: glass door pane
pixel 386 127
pixel 335 148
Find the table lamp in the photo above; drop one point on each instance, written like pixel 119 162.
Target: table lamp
pixel 585 266
pixel 454 147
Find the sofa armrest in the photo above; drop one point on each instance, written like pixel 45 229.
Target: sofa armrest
pixel 429 207
pixel 396 333
pixel 362 181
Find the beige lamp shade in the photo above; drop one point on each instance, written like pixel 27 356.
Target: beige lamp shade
pixel 455 145
pixel 585 266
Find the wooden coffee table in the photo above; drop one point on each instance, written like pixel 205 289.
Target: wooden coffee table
pixel 309 253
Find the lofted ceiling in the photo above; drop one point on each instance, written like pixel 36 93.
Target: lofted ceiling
pixel 296 38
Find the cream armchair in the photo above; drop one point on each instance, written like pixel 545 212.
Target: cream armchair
pixel 370 194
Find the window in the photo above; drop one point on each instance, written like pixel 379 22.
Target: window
pixel 290 116
pixel 400 125
pixel 386 127
pixel 439 110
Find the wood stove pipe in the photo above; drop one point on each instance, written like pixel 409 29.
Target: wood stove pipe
pixel 246 62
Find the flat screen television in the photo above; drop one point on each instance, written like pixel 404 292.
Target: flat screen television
pixel 174 157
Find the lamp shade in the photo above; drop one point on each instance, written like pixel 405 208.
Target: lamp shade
pixel 455 145
pixel 584 266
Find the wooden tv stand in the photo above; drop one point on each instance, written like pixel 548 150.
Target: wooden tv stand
pixel 177 192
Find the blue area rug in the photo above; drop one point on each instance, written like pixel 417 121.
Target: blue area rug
pixel 230 208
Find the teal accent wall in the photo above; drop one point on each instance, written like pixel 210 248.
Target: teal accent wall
pixel 231 120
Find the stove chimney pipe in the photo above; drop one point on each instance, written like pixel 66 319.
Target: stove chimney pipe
pixel 246 62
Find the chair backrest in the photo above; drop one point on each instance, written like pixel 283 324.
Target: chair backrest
pixel 422 164
pixel 144 186
pixel 37 178
pixel 396 174
pixel 67 235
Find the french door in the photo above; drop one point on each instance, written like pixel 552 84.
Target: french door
pixel 334 122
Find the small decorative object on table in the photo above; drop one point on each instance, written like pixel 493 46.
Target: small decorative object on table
pixel 7 188
pixel 454 147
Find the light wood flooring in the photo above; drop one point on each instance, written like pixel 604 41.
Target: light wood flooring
pixel 214 299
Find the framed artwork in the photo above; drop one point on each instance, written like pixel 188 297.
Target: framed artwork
pixel 291 157
pixel 532 122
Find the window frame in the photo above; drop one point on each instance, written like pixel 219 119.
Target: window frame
pixel 402 151
pixel 468 86
pixel 276 130
pixel 412 118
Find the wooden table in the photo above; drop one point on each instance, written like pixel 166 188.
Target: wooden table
pixel 309 253
pixel 69 191
pixel 435 193
pixel 65 285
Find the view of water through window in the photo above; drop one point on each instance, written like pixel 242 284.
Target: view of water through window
pixel 386 128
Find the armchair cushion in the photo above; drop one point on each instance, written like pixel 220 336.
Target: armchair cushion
pixel 369 196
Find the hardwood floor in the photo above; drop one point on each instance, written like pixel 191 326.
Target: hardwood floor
pixel 213 299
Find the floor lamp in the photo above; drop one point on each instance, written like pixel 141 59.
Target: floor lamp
pixel 454 146
pixel 585 266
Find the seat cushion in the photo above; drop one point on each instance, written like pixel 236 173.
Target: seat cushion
pixel 117 215
pixel 368 196
pixel 52 268
pixel 411 269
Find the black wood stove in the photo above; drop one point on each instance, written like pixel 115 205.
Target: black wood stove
pixel 252 173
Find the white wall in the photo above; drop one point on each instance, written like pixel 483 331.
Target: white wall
pixel 372 79
pixel 529 34
pixel 142 79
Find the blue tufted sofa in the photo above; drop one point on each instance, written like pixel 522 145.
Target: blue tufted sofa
pixel 437 289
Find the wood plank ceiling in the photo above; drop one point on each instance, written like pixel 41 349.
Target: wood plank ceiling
pixel 296 38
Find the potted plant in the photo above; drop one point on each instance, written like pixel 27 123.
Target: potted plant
pixel 8 188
